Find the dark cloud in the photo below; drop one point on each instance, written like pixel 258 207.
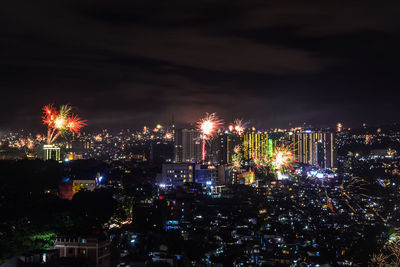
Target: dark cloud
pixel 126 63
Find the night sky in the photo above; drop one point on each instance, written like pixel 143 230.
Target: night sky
pixel 123 64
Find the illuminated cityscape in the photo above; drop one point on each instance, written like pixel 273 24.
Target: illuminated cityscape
pixel 200 133
pixel 346 178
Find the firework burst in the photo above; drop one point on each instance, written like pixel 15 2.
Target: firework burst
pixel 237 157
pixel 168 136
pixel 60 122
pixel 262 162
pixel 281 161
pixel 208 126
pixel 239 126
pixel 30 144
pixel 74 124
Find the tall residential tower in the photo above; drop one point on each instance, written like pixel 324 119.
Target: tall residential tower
pixel 315 148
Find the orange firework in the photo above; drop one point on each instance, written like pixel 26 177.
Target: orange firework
pixel 283 159
pixel 261 162
pixel 39 138
pixel 30 145
pixel 74 124
pixel 60 122
pixel 239 126
pixel 237 158
pixel 168 136
pixel 208 127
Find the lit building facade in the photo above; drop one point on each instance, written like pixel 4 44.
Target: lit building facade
pixel 206 175
pixel 315 148
pixel 73 156
pixel 256 144
pixel 187 146
pixel 77 145
pixel 177 174
pixel 51 152
pixel 95 249
pixel 223 147
pixel 244 177
pixel 89 185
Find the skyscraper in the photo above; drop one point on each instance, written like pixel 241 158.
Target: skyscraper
pixel 223 147
pixel 178 145
pixel 187 145
pixel 315 148
pixel 256 144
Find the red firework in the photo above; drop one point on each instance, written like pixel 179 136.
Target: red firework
pixel 208 127
pixel 49 115
pixel 239 126
pixel 74 124
pixel 60 122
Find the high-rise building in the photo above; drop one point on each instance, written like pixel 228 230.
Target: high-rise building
pixel 178 145
pixel 256 144
pixel 315 148
pixel 161 151
pixel 223 146
pixel 187 147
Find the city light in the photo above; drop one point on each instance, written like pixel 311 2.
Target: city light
pixel 219 133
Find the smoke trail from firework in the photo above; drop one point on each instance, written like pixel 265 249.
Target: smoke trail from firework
pixel 60 122
pixel 208 127
pixel 355 190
